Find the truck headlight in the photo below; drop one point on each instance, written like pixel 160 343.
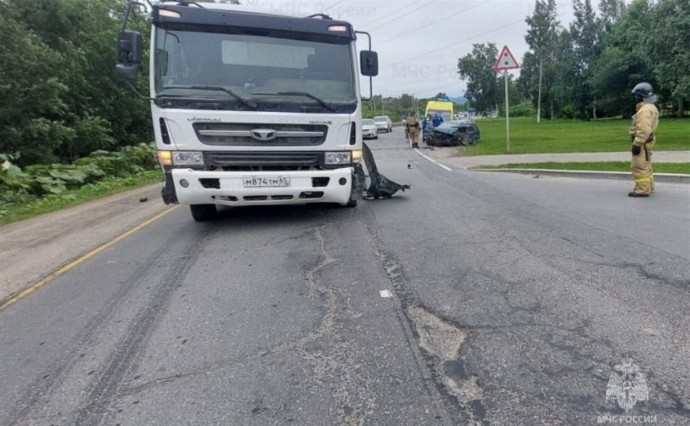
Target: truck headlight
pixel 188 158
pixel 165 158
pixel 338 158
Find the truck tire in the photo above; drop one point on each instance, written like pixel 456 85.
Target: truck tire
pixel 203 212
pixel 353 197
pixel 358 185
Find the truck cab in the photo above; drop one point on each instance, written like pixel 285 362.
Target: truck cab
pixel 254 109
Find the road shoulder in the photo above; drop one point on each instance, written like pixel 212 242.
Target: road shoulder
pixel 34 248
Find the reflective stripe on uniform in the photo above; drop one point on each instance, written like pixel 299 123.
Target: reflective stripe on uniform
pixel 643 179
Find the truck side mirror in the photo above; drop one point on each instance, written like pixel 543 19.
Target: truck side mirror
pixel 129 51
pixel 129 47
pixel 369 63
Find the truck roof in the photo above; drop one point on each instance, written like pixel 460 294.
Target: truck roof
pixel 241 17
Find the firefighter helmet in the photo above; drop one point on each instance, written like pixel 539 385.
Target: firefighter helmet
pixel 643 92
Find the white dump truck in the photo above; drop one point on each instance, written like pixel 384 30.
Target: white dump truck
pixel 252 108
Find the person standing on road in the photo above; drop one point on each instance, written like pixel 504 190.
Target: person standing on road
pixel 642 135
pixel 412 126
pixel 437 120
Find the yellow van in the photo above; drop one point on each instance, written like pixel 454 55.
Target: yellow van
pixel 443 108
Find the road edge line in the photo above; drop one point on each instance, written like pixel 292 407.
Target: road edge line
pixel 48 278
pixel 446 168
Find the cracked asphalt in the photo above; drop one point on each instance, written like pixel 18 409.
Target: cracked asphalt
pixel 513 300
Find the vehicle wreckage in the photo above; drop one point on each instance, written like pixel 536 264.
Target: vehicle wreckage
pixel 379 186
pixel 453 133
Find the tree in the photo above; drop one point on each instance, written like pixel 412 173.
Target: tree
pixel 483 91
pixel 585 37
pixel 79 38
pixel 610 12
pixel 669 50
pixel 624 60
pixel 543 28
pixel 606 78
pixel 31 96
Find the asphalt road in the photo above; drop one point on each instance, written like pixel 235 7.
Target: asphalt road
pixel 473 298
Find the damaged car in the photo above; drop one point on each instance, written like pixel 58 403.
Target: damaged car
pixel 453 133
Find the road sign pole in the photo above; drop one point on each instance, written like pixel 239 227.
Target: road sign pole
pixel 506 62
pixel 505 77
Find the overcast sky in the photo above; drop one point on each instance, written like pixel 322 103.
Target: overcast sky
pixel 419 42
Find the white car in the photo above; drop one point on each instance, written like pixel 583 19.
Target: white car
pixel 369 130
pixel 383 123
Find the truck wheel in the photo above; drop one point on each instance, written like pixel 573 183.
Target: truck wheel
pixel 203 212
pixel 357 186
pixel 353 198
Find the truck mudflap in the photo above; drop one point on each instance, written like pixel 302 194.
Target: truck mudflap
pixel 263 188
pixel 168 190
pixel 379 186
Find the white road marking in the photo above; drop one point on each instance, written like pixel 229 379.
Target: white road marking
pixel 385 293
pixel 448 169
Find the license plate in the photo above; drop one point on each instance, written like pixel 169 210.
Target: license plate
pixel 266 181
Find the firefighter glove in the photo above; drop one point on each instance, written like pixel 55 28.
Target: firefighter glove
pixel 636 149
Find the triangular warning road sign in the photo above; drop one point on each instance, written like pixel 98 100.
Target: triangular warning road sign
pixel 505 61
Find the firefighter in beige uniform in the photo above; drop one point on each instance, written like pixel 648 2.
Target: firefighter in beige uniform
pixel 644 124
pixel 412 126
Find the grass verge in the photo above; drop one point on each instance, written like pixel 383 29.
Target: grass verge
pixel 608 166
pixel 86 193
pixel 563 136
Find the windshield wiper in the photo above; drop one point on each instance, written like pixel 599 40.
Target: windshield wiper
pixel 305 94
pixel 245 102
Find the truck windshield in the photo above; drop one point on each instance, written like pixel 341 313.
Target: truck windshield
pixel 252 68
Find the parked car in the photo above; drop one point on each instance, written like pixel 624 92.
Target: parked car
pixel 369 130
pixel 453 133
pixel 383 123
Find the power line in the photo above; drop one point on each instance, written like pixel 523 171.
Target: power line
pixel 333 5
pixel 374 21
pixel 458 42
pixel 425 26
pixel 400 16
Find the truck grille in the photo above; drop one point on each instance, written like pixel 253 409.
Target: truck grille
pixel 264 160
pixel 260 134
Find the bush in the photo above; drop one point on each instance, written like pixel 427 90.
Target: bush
pixel 568 112
pixel 524 109
pixel 38 180
pixel 14 183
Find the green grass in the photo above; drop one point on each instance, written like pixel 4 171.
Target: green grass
pixel 564 136
pixel 86 193
pixel 611 166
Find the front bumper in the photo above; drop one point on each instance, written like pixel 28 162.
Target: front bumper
pixel 227 188
pixel 367 134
